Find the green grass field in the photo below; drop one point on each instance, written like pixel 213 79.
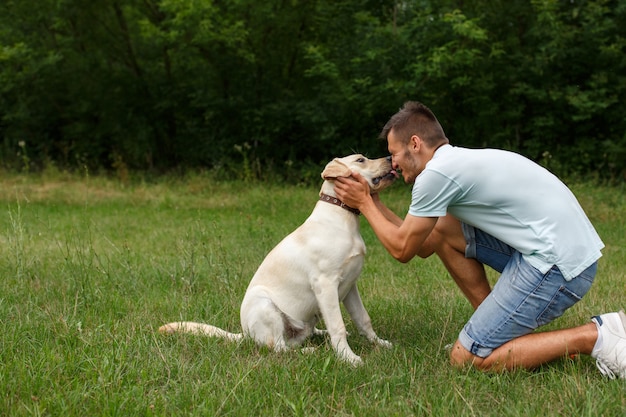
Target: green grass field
pixel 91 268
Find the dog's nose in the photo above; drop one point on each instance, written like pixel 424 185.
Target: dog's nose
pixel 389 158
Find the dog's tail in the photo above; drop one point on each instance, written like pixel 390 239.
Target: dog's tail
pixel 200 329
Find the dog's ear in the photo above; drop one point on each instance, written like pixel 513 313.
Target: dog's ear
pixel 336 168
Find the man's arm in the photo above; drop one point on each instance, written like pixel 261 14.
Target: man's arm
pixel 403 239
pixel 389 215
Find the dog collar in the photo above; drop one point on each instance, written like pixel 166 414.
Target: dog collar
pixel 334 200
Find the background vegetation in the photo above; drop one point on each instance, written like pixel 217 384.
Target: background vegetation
pixel 91 268
pixel 161 85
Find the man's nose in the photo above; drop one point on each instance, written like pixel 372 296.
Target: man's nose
pixel 393 164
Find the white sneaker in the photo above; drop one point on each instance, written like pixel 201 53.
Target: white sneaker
pixel 611 355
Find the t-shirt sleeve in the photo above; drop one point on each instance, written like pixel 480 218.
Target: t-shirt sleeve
pixel 432 193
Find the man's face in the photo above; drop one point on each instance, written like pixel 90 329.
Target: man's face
pixel 404 158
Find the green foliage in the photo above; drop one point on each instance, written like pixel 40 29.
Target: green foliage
pixel 169 84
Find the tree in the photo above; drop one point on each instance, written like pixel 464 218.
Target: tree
pixel 168 84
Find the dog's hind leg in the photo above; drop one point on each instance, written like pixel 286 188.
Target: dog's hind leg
pixel 320 332
pixel 267 325
pixel 264 323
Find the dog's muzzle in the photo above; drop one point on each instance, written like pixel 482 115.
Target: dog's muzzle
pixel 391 176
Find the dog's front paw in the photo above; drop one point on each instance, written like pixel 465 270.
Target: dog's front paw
pixel 384 343
pixel 353 360
pixel 348 356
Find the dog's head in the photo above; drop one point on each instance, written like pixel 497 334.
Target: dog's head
pixel 378 172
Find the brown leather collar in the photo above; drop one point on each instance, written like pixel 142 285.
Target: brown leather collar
pixel 334 200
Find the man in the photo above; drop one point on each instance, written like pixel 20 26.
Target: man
pixel 491 207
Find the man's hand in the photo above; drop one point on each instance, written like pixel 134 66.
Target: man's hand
pixel 353 191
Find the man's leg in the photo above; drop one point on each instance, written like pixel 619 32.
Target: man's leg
pixel 499 336
pixel 604 339
pixel 448 242
pixel 532 350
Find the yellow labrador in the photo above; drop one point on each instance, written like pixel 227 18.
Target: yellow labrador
pixel 310 272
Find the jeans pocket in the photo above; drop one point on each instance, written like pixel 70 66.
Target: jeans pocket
pixel 562 300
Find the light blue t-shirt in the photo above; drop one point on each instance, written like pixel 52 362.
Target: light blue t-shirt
pixel 513 199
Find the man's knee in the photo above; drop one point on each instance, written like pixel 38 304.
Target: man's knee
pixel 445 238
pixel 461 357
pixel 435 241
pixel 425 252
pixel 430 245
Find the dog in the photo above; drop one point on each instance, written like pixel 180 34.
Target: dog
pixel 307 275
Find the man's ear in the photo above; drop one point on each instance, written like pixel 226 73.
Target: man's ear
pixel 336 168
pixel 415 142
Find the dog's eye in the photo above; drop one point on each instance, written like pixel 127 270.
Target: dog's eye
pixel 360 160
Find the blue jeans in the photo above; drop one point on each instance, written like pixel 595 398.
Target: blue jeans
pixel 522 299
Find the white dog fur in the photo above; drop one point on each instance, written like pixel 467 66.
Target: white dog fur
pixel 309 273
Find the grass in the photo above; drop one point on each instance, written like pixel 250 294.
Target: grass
pixel 91 268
